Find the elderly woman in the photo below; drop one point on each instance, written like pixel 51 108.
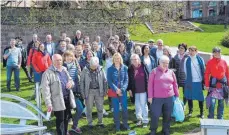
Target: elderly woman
pixel 137 87
pixel 194 68
pixel 180 74
pixel 172 62
pixel 117 76
pixel 138 50
pixel 160 96
pixel 93 86
pixel 147 59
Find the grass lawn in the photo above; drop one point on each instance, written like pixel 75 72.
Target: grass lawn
pixel 204 41
pixel 176 128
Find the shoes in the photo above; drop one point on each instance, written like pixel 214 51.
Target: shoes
pixel 200 116
pixel 101 125
pixel 145 125
pixel 190 114
pixel 90 126
pixel 105 113
pixel 83 115
pixel 8 89
pixel 30 80
pixel 127 128
pixel 139 123
pixel 76 130
pixel 112 109
pixel 70 122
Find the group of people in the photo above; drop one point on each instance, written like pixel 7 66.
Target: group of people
pixel 78 73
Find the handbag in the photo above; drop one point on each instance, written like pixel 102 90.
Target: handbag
pixel 111 93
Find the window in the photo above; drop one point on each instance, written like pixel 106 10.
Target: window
pixel 196 3
pixel 212 12
pixel 212 3
pixel 197 13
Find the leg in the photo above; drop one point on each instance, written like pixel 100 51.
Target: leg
pixel 59 122
pixel 78 114
pixel 115 104
pixel 16 78
pixel 99 106
pixel 67 111
pixel 144 107
pixel 167 111
pixel 138 110
pixel 156 108
pixel 212 108
pixel 26 72
pixel 184 99
pixel 89 105
pixel 190 106
pixel 31 71
pixel 220 109
pixel 9 70
pixel 201 106
pixel 123 100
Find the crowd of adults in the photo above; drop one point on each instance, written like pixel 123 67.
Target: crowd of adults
pixel 76 73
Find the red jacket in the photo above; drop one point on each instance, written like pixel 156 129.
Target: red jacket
pixel 30 56
pixel 216 68
pixel 41 62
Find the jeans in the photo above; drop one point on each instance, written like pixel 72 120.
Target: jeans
pixel 94 96
pixel 158 106
pixel 16 71
pixel 79 107
pixel 220 108
pixel 115 103
pixel 141 107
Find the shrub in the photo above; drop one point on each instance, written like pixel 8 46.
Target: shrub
pixel 225 40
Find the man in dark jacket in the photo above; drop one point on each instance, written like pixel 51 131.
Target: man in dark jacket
pixel 24 56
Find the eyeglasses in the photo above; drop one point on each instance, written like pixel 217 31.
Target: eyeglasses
pixel 181 48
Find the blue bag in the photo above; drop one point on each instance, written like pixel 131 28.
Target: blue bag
pixel 178 110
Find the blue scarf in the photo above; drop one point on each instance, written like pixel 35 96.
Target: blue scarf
pixel 188 83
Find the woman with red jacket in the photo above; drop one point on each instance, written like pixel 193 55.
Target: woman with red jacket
pixel 40 62
pixel 216 75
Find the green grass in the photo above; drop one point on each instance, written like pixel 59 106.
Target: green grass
pixel 176 128
pixel 204 41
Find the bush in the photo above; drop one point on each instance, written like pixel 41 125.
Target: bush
pixel 225 40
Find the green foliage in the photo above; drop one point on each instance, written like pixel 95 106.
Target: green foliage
pixel 225 40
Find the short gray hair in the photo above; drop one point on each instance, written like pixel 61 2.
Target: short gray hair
pixel 94 61
pixel 133 56
pixel 78 31
pixel 163 58
pixel 160 40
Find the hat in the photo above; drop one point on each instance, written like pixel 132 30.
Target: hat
pixel 216 49
pixel 151 41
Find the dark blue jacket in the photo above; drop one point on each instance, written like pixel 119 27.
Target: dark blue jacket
pixel 129 46
pixel 118 78
pixel 126 58
pixel 153 52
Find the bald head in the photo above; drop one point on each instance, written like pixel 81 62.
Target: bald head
pixel 57 61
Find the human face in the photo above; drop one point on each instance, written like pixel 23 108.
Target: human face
pixel 67 41
pixel 181 50
pixel 69 58
pixel 57 61
pixel 37 44
pixel 78 34
pixel 49 38
pixel 35 38
pixel 87 40
pixel 165 52
pixel 79 50
pixel 217 55
pixel 42 47
pixel 192 52
pixel 89 55
pixel 12 42
pixel 63 44
pixel 98 38
pixel 115 44
pixel 138 50
pixel 122 48
pixel 160 45
pixel 146 50
pixel 164 64
pixel 63 36
pixel 117 60
pixel 135 61
pixel 95 46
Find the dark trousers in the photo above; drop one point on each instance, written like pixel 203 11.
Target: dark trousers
pixel 158 106
pixel 201 106
pixel 184 99
pixel 62 119
pixel 26 72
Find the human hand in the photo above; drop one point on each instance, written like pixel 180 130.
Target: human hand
pixel 130 93
pixel 49 109
pixel 69 85
pixel 207 88
pixel 19 66
pixel 150 100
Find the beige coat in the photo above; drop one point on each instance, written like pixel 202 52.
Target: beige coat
pixel 52 91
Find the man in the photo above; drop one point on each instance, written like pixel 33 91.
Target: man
pixel 93 86
pixel 13 64
pixel 24 57
pixel 157 52
pixel 151 44
pixel 129 44
pixel 63 36
pixel 56 87
pixel 86 40
pixel 216 77
pixel 100 43
pixel 50 46
pixel 62 47
pixel 79 55
pixel 77 37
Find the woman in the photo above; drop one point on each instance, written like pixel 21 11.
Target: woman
pixel 147 59
pixel 172 62
pixel 31 54
pixel 86 61
pixel 124 54
pixel 138 50
pixel 74 71
pixel 117 77
pixel 180 74
pixel 194 68
pixel 137 87
pixel 97 51
pixel 40 62
pixel 160 96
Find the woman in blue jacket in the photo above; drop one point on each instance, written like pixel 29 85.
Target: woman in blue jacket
pixel 117 77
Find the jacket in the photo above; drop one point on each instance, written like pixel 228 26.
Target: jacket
pixel 30 56
pixel 131 84
pixel 4 61
pixel 85 80
pixel 153 62
pixel 118 78
pixel 52 91
pixel 53 48
pixel 216 68
pixel 41 61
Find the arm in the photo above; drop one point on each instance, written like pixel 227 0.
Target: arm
pixel 49 61
pixel 207 74
pixel 175 86
pixel 29 58
pixel 19 59
pixel 34 63
pixel 227 73
pixel 151 84
pixel 129 88
pixel 126 79
pixel 185 70
pixel 45 89
pixel 82 85
pixel 104 82
pixel 6 54
pixel 109 80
